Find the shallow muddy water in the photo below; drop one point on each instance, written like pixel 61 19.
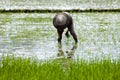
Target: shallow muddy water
pixel 33 35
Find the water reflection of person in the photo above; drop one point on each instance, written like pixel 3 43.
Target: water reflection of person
pixel 69 53
pixel 60 51
pixel 65 62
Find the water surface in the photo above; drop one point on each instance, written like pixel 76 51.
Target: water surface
pixel 33 35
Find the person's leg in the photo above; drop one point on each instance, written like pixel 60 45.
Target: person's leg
pixel 59 35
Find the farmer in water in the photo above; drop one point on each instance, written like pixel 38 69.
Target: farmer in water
pixel 61 21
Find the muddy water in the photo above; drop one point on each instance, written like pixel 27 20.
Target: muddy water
pixel 33 35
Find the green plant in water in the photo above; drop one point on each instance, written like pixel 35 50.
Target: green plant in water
pixel 66 69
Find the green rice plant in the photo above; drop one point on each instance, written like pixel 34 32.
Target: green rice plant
pixel 2 32
pixel 4 18
pixel 35 33
pixel 12 68
pixel 38 19
pixel 113 38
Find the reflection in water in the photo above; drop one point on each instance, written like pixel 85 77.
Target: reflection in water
pixel 69 53
pixel 60 51
pixel 66 62
pixel 72 51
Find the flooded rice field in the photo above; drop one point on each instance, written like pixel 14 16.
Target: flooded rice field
pixel 66 4
pixel 33 35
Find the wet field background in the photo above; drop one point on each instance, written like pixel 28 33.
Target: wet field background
pixel 33 35
pixel 61 4
pixel 29 47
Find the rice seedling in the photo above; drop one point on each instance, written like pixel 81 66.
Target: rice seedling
pixel 66 69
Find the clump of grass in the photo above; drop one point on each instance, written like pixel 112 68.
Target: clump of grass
pixel 25 34
pixel 101 30
pixel 2 32
pixel 28 69
pixel 39 19
pixel 35 33
pixel 5 19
